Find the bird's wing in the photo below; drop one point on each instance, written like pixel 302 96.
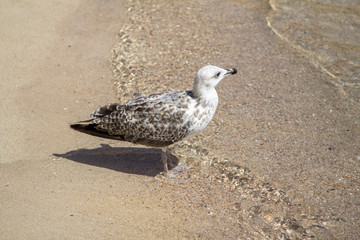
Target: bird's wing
pixel 154 120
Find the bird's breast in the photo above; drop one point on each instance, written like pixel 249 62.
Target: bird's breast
pixel 199 117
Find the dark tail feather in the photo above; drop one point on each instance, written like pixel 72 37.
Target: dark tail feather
pixel 90 128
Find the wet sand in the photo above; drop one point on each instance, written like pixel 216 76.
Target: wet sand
pixel 280 158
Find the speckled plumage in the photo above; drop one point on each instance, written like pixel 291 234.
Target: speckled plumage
pixel 159 120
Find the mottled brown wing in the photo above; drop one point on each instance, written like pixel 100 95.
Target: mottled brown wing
pixel 155 120
pixel 106 110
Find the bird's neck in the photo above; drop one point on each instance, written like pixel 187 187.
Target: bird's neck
pixel 206 96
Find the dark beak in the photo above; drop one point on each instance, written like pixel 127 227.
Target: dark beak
pixel 231 71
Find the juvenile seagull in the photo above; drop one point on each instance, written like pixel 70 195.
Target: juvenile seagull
pixel 161 119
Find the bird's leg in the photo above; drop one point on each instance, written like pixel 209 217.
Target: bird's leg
pixel 171 163
pixel 164 157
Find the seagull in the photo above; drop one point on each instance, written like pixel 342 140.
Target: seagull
pixel 160 119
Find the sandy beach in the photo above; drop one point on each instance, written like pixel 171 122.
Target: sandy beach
pixel 280 159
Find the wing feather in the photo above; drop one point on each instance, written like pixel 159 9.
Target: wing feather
pixel 155 120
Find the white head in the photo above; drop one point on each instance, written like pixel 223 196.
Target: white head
pixel 208 77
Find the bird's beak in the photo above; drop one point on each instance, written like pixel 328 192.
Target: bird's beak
pixel 231 71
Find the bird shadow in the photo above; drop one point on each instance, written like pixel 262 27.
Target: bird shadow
pixel 140 161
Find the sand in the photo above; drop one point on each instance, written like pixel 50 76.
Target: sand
pixel 280 158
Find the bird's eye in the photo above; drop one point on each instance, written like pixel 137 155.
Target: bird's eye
pixel 218 74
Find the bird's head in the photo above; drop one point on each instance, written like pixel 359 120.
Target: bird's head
pixel 209 76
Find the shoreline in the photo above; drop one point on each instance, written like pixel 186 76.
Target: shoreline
pixel 289 136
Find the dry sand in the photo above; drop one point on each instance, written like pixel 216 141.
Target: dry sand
pixel 280 159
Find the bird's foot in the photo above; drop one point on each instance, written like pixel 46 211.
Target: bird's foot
pixel 177 173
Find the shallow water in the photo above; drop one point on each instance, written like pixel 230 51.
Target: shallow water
pixel 276 117
pixel 327 32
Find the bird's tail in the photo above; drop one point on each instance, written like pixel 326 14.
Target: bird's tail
pixel 90 128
